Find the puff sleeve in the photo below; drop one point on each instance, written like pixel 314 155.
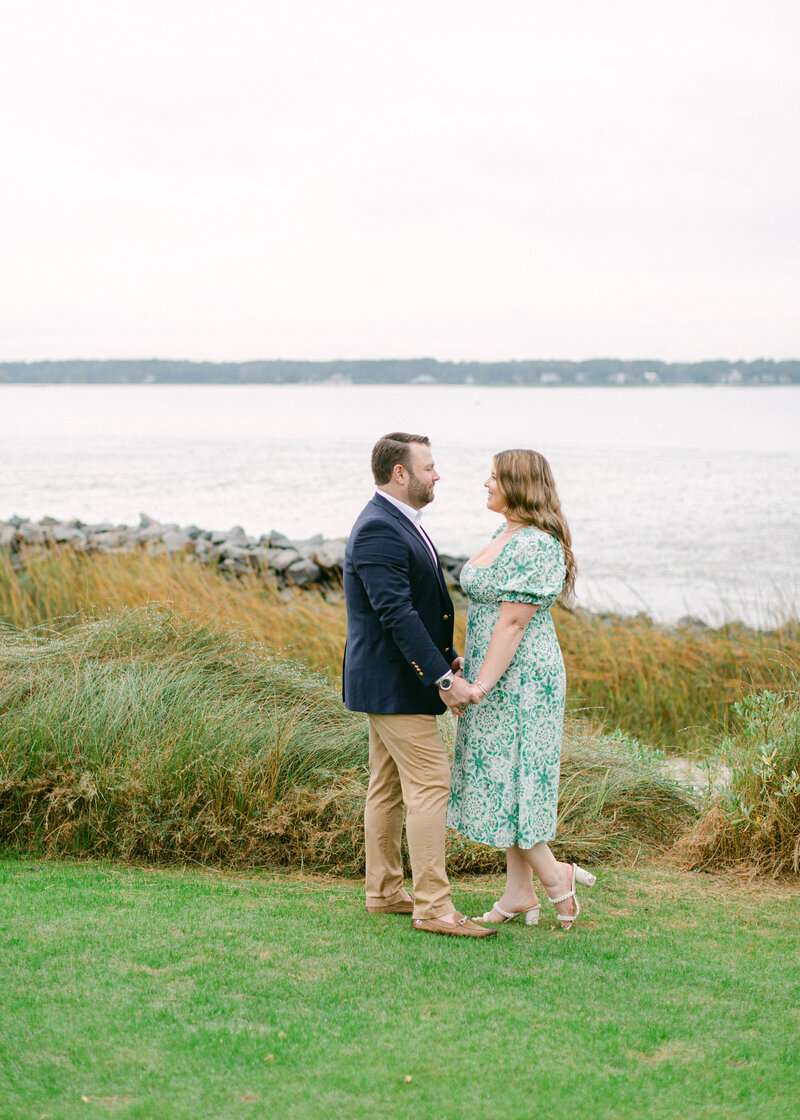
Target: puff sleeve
pixel 533 570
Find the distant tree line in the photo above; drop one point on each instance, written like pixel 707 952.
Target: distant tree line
pixel 596 371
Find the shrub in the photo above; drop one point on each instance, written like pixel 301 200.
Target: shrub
pixel 755 822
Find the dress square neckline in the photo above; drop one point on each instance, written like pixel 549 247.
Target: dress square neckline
pixel 486 567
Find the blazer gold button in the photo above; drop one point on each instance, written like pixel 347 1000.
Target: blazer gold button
pixel 445 617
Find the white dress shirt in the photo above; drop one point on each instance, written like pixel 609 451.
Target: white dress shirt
pixel 415 517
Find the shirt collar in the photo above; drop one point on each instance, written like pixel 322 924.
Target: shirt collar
pixel 413 515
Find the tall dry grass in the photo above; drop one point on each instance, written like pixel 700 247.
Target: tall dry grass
pixel 146 735
pixel 672 687
pixel 57 587
pixel 669 687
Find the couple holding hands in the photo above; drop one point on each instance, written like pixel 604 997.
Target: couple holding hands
pixel 508 690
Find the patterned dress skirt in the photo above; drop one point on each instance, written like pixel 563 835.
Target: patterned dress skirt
pixel 504 787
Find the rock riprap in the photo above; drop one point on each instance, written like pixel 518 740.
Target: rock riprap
pixel 277 558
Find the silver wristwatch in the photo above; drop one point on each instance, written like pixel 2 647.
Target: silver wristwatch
pixel 446 681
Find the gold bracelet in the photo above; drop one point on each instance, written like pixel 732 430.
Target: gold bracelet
pixel 485 691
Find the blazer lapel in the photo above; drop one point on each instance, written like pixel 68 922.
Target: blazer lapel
pixel 417 537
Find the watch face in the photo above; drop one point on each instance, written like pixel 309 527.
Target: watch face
pixel 446 683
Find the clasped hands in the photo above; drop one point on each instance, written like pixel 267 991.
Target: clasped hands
pixel 461 692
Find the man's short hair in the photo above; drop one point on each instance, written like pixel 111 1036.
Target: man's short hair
pixel 390 450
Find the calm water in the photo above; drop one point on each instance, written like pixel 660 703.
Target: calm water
pixel 681 500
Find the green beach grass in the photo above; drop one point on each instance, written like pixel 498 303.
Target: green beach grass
pixel 192 995
pixel 149 736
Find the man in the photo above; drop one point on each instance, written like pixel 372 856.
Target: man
pixel 400 667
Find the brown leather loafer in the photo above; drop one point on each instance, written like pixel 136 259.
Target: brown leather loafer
pixel 463 927
pixel 404 906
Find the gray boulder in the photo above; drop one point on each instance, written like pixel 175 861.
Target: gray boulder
pixel 175 540
pixel 330 555
pixel 145 536
pixel 106 538
pixel 694 625
pixel 237 535
pixel 306 547
pixel 452 565
pixel 262 556
pixel 230 551
pixel 303 571
pixel 287 557
pixel 30 533
pixel 67 534
pixel 234 566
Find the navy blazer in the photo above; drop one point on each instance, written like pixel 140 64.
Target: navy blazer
pixel 399 617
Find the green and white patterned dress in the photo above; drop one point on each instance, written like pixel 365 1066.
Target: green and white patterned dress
pixel 504 788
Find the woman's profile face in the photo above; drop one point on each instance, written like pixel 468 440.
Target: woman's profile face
pixel 495 501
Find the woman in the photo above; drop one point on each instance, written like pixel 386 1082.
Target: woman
pixel 504 789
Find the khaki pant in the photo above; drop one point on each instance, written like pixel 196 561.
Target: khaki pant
pixel 407 763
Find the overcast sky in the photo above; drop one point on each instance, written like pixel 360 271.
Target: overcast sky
pixel 358 178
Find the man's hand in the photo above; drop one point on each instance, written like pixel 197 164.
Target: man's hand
pixel 458 695
pixel 458 666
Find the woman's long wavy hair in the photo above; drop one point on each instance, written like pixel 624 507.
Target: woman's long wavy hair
pixel 529 491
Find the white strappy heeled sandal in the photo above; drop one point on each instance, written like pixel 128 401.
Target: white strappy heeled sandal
pixel 578 876
pixel 530 915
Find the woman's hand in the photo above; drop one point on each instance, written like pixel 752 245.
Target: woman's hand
pixel 477 694
pixel 458 666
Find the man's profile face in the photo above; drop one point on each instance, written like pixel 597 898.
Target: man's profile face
pixel 422 476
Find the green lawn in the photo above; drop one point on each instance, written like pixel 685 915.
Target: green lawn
pixel 186 995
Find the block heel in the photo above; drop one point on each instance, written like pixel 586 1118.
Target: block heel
pixel 530 915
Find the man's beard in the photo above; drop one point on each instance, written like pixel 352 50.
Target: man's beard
pixel 419 493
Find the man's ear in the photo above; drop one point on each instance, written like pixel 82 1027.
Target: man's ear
pixel 398 473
